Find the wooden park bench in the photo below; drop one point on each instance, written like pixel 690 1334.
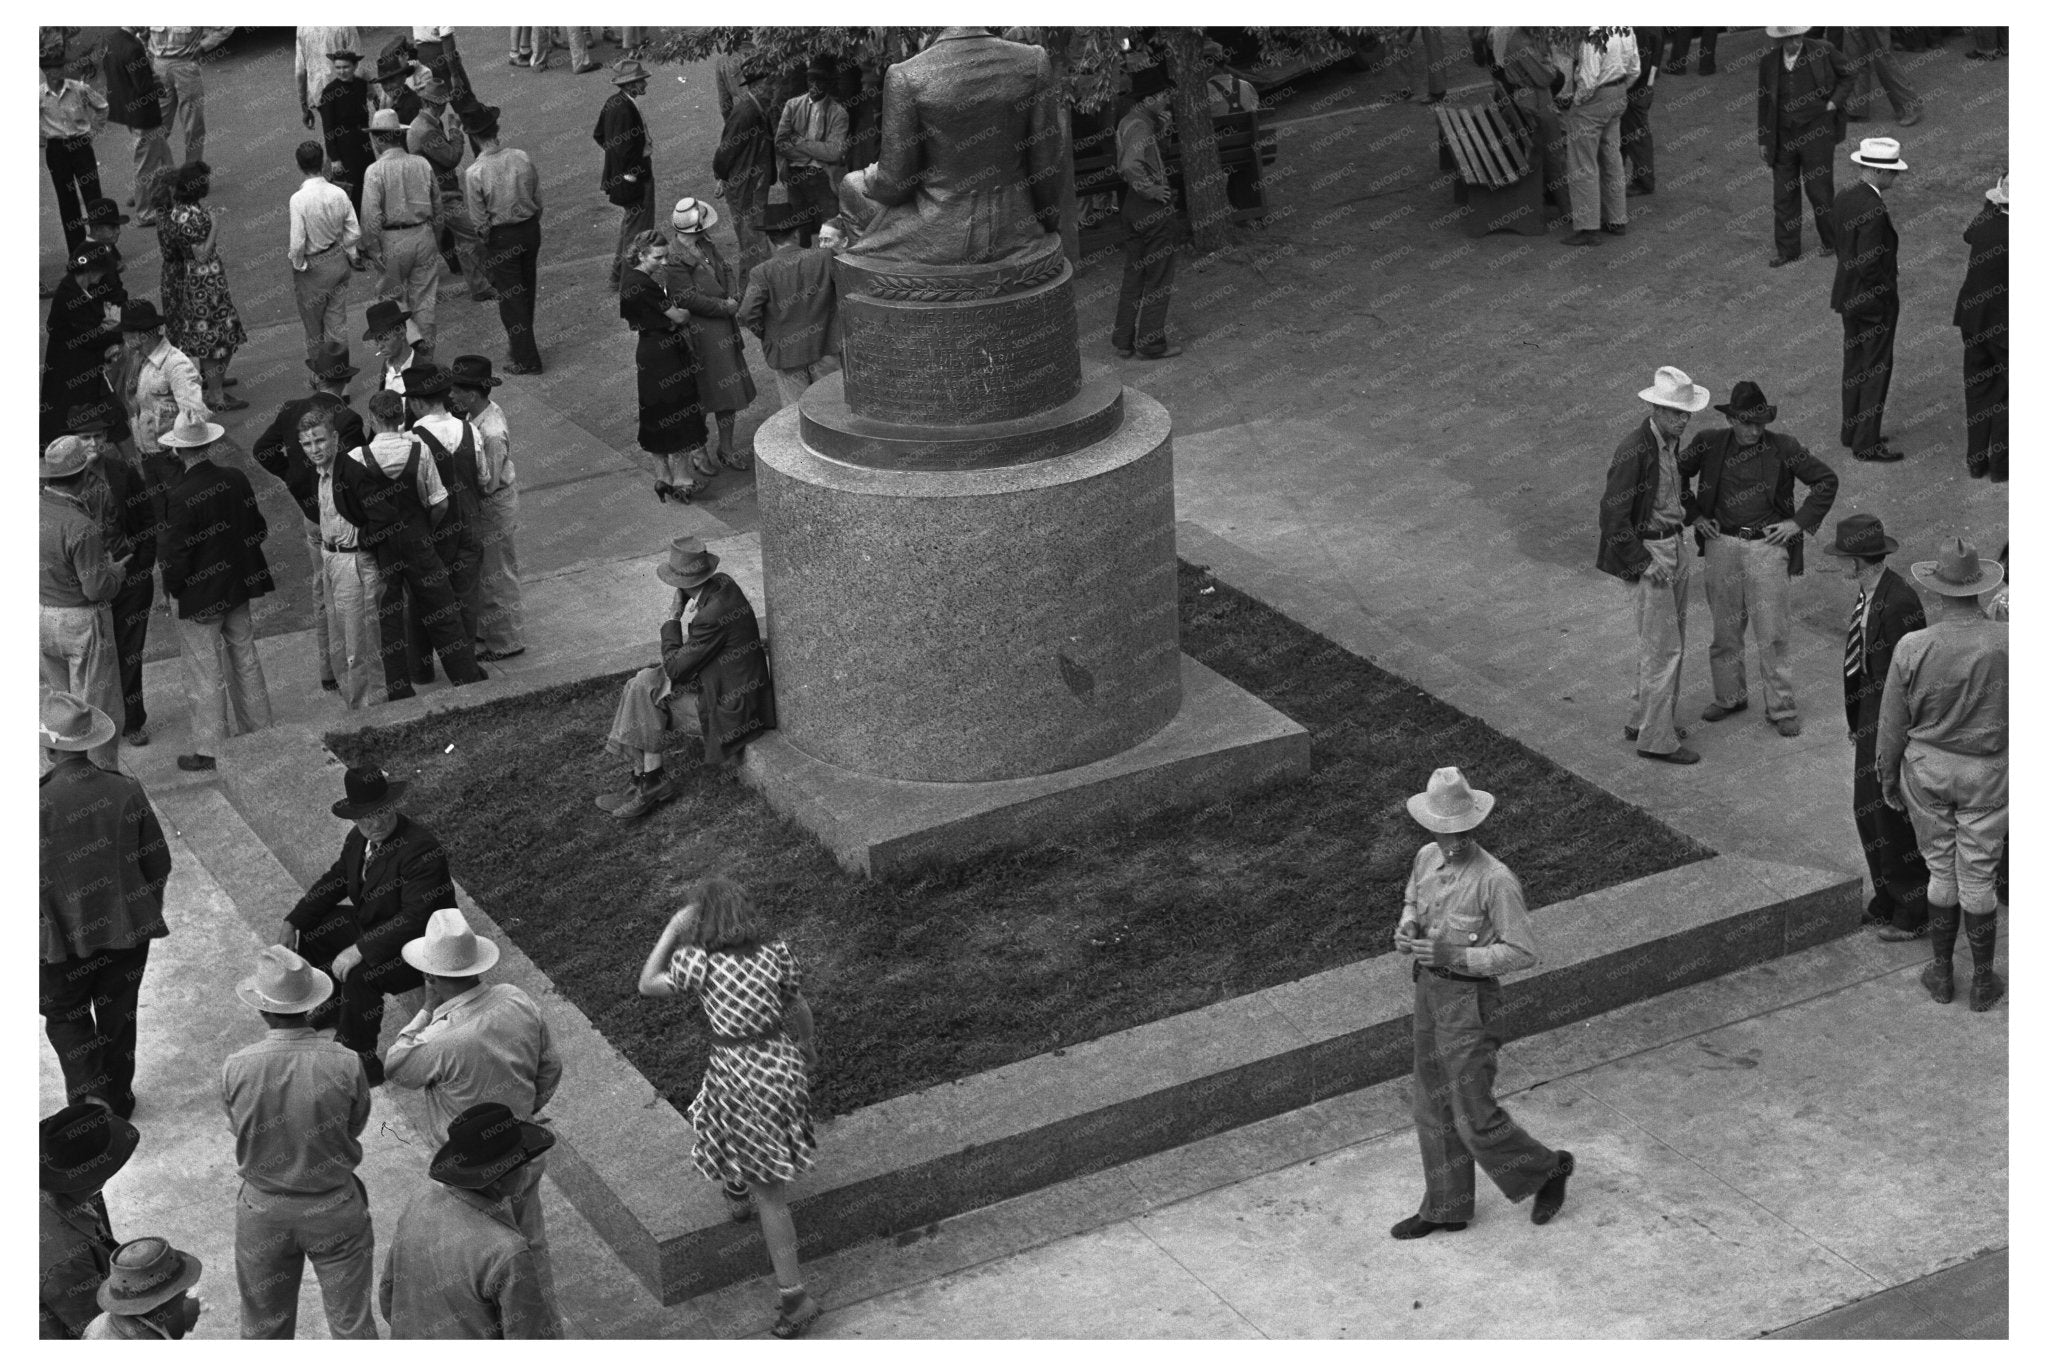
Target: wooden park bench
pixel 1491 147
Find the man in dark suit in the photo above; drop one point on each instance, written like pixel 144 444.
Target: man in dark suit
pixel 134 102
pixel 211 553
pixel 1886 609
pixel 1638 147
pixel 1867 296
pixel 355 921
pixel 712 681
pixel 1643 514
pixel 1798 123
pixel 278 452
pixel 628 175
pixel 1981 315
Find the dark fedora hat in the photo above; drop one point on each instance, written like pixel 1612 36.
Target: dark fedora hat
pixel 480 120
pixel 144 1273
pixel 1149 80
pixel 689 563
pixel 1748 404
pixel 1858 534
pixel 102 211
pixel 140 315
pixel 484 1142
pixel 783 216
pixel 83 1145
pixel 381 317
pixel 473 372
pixel 393 65
pixel 369 791
pixel 333 369
pixel 81 418
pixel 426 380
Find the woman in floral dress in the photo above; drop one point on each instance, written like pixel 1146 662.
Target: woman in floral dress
pixel 753 1112
pixel 199 314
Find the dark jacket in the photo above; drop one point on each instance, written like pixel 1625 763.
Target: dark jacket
pixel 1801 97
pixel 1866 254
pixel 388 903
pixel 1895 610
pixel 133 99
pixel 746 146
pixel 1650 43
pixel 623 135
pixel 75 1253
pixel 1982 301
pixel 211 546
pixel 104 862
pixel 1632 479
pixel 726 662
pixel 279 452
pixel 1784 460
pixel 792 305
pixel 135 507
pixel 385 508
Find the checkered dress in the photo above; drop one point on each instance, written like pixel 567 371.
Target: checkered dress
pixel 753 1112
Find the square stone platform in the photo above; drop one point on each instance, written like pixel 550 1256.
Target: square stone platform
pixel 1223 741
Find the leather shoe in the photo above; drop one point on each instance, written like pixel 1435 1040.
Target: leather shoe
pixel 1550 1199
pixel 1166 352
pixel 1415 1226
pixel 1910 119
pixel 1987 988
pixel 1777 261
pixel 1124 352
pixel 137 737
pixel 329 685
pixel 1881 453
pixel 197 763
pixel 1892 934
pixel 399 694
pixel 1630 732
pixel 1714 711
pixel 1788 726
pixel 1615 229
pixel 1939 977
pixel 1584 237
pixel 1681 755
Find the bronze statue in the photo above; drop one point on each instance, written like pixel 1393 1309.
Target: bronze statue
pixel 969 167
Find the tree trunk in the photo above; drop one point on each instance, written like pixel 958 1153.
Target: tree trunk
pixel 1202 177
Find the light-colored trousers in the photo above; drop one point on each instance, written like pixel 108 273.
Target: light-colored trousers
pixel 1598 181
pixel 791 383
pixel 1868 54
pixel 1957 803
pixel 184 96
pixel 412 274
pixel 322 655
pixel 469 243
pixel 223 677
pixel 648 715
pixel 1660 644
pixel 501 614
pixel 526 1212
pixel 1749 585
pixel 321 293
pixel 79 657
pixel 276 1235
pixel 152 152
pixel 350 583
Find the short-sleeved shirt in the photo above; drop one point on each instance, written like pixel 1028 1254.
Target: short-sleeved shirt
pixel 742 993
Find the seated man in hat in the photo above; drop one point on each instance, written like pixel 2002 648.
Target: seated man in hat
pixel 83 1145
pixel 357 919
pixel 457 1266
pixel 401 222
pixel 104 865
pixel 712 681
pixel 298 1102
pixel 147 1295
pixel 1754 541
pixel 344 110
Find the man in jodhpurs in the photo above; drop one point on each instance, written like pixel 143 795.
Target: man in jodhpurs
pixel 1463 923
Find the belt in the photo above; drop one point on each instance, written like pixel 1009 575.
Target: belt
pixel 1742 533
pixel 416 223
pixel 339 549
pixel 735 1040
pixel 1663 535
pixel 1448 975
pixel 322 251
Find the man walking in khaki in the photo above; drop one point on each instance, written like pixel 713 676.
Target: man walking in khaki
pixel 402 220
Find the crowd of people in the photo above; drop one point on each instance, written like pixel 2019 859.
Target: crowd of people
pixel 410 516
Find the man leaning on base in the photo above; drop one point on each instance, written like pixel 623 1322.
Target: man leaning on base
pixel 1642 517
pixel 1463 922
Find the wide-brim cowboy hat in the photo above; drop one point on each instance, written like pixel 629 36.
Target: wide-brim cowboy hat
pixel 1959 573
pixel 1449 805
pixel 386 121
pixel 69 722
pixel 1860 534
pixel 1879 154
pixel 692 215
pixel 2001 193
pixel 689 563
pixel 370 790
pixel 61 459
pixel 431 88
pixel 485 1142
pixel 1787 32
pixel 83 1145
pixel 450 948
pixel 1671 387
pixel 187 435
pixel 284 983
pixel 145 1273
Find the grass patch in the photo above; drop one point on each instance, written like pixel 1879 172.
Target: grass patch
pixel 931 979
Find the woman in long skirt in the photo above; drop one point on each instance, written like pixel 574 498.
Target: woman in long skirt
pixel 753 1112
pixel 671 419
pixel 700 280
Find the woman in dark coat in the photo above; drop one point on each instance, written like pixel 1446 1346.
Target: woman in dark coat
pixel 671 419
pixel 709 289
pixel 81 330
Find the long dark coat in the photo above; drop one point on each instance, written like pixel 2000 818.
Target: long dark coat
pixel 1982 303
pixel 378 908
pixel 725 659
pixel 1866 254
pixel 623 135
pixel 700 280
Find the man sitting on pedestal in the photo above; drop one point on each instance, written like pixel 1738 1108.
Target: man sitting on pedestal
pixel 712 681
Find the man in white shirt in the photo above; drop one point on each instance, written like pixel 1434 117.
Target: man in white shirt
pixel 72 112
pixel 324 237
pixel 1598 70
pixel 310 66
pixel 167 386
pixel 500 617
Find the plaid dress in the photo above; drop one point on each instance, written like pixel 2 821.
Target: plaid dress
pixel 753 1112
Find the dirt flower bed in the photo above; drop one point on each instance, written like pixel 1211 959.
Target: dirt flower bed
pixel 930 979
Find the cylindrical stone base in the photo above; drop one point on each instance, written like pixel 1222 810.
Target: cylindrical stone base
pixel 968 626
